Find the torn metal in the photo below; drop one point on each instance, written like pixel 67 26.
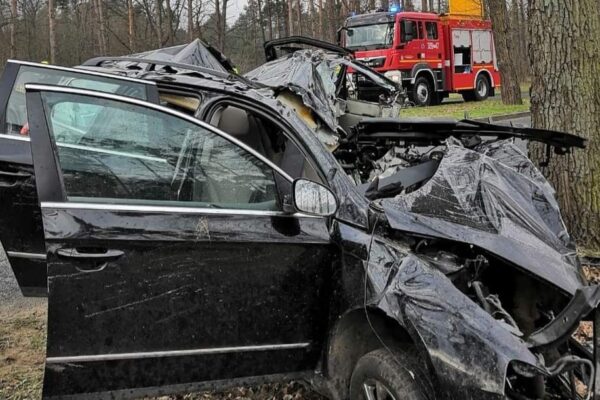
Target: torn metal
pixel 320 79
pixel 485 230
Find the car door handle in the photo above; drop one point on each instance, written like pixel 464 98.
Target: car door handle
pixel 14 175
pixel 85 254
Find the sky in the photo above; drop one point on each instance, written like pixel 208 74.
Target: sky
pixel 235 9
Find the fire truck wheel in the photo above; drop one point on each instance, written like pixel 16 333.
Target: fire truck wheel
pixel 482 88
pixel 422 92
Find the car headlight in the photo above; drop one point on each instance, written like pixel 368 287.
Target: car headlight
pixel 395 76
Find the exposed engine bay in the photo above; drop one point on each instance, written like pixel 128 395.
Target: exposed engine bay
pixel 476 209
pixel 507 294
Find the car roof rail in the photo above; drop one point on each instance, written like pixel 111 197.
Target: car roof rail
pixel 151 66
pixel 270 46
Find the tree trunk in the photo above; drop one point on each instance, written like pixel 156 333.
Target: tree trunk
pixel 218 23
pixel 190 20
pixel 13 29
pixel 524 35
pixel 169 10
pixel 223 24
pixel 131 25
pixel 299 16
pixel 261 21
pixel 290 6
pixel 102 28
pixel 564 54
pixel 159 22
pixel 424 4
pixel 313 21
pixel 321 16
pixel 270 18
pixel 332 20
pixel 52 31
pixel 505 51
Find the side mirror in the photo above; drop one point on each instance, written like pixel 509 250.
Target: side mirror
pixel 313 198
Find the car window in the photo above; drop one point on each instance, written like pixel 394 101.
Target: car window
pixel 124 153
pixel 16 112
pixel 409 31
pixel 432 31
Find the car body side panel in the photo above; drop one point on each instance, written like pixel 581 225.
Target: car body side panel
pixel 148 297
pixel 187 283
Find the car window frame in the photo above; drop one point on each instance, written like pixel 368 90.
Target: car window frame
pixel 54 190
pixel 13 67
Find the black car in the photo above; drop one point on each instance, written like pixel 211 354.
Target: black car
pixel 198 232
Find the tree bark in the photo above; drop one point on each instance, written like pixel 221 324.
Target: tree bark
pixel 270 19
pixel 131 25
pixel 564 54
pixel 159 22
pixel 505 51
pixel 299 16
pixel 290 6
pixel 52 31
pixel 321 17
pixel 313 27
pixel 261 21
pixel 190 20
pixel 13 29
pixel 102 28
pixel 170 22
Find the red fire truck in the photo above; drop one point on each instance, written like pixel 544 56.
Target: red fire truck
pixel 432 55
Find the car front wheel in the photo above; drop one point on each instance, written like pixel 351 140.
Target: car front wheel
pixel 422 92
pixel 390 375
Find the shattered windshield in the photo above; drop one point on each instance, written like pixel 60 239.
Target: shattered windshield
pixel 370 37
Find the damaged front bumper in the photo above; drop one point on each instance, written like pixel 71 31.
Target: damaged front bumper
pixel 472 354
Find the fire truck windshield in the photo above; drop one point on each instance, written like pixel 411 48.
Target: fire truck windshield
pixel 370 37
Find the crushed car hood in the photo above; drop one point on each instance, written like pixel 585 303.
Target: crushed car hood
pixel 493 197
pixel 314 75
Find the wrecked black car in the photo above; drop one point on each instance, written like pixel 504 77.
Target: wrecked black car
pixel 198 232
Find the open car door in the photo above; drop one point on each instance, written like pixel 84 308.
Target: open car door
pixel 170 260
pixel 20 220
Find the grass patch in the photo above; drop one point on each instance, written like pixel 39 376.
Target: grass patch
pixel 456 109
pixel 22 353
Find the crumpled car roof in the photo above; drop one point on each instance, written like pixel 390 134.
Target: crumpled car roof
pixel 307 73
pixel 194 53
pixel 313 75
pixel 492 196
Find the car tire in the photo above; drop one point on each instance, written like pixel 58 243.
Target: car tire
pixel 468 96
pixel 391 375
pixel 483 88
pixel 422 92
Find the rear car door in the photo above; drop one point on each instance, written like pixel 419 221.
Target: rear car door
pixel 20 220
pixel 170 260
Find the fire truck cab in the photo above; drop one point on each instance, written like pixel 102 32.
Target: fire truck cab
pixel 432 55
